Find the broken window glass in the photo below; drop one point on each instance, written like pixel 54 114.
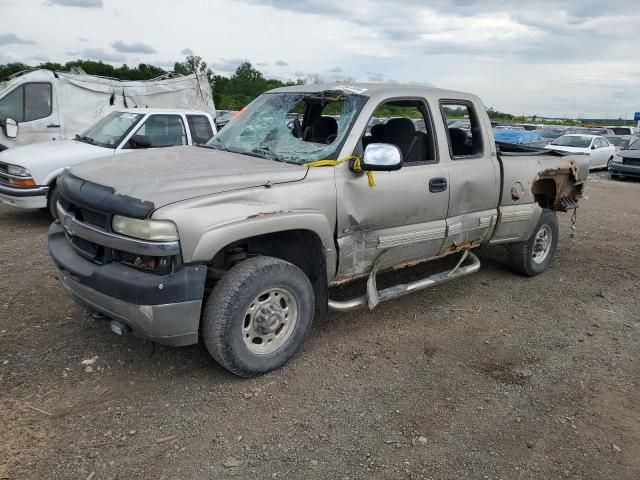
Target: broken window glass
pixel 292 127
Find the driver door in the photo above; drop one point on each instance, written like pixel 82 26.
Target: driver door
pixel 403 216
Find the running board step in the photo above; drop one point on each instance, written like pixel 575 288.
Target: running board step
pixel 402 289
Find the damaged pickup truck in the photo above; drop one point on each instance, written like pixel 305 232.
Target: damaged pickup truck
pixel 240 241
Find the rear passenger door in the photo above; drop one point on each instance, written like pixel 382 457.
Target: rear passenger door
pixel 474 175
pixel 602 152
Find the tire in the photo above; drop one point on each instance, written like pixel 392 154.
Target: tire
pixel 531 257
pixel 52 200
pixel 236 316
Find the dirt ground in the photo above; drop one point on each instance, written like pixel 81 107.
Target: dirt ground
pixel 492 376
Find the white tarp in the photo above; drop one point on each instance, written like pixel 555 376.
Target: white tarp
pixel 79 100
pixel 86 98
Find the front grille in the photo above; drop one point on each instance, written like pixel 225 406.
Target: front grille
pixel 635 162
pixel 4 168
pixel 86 248
pixel 97 219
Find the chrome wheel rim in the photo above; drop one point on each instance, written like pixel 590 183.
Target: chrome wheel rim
pixel 269 321
pixel 542 244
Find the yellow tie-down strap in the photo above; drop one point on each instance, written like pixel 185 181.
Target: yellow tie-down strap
pixel 356 166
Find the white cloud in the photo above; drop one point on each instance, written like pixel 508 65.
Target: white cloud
pixel 545 56
pixel 135 47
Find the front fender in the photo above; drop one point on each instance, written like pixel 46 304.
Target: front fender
pixel 208 225
pixel 218 237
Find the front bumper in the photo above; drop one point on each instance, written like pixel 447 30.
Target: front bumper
pixel 162 308
pixel 24 197
pixel 624 169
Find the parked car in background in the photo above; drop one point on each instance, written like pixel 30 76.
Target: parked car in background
pixel 600 151
pixel 530 126
pixel 589 131
pixel 619 141
pixel 509 127
pixel 28 174
pixel 518 137
pixel 549 134
pixel 223 117
pixel 44 105
pixel 626 162
pixel 623 130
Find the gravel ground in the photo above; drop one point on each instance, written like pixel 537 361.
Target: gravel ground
pixel 492 376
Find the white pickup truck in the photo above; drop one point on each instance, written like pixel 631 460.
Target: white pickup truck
pixel 28 174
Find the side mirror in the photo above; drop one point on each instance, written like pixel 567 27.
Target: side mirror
pixel 140 141
pixel 381 157
pixel 593 147
pixel 10 128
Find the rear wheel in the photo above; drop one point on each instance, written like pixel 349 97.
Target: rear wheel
pixel 532 256
pixel 258 315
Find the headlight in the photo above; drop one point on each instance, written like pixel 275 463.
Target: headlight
pixel 18 171
pixel 155 230
pixel 617 159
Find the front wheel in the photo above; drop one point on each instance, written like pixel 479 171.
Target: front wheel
pixel 532 256
pixel 258 315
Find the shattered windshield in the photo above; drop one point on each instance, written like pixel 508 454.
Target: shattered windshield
pixel 110 130
pixel 291 127
pixel 572 141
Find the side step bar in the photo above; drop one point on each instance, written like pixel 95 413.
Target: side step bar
pixel 404 288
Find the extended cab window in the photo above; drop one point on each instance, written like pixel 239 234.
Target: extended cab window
pixel 164 131
pixel 405 123
pixel 28 102
pixel 201 131
pixel 463 129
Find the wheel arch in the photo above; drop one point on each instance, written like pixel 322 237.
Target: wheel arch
pixel 301 247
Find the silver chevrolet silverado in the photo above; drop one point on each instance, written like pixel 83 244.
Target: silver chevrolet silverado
pixel 244 240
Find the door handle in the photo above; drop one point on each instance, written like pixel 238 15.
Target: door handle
pixel 53 125
pixel 437 185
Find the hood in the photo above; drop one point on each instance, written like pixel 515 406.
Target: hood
pixel 635 154
pixel 53 154
pixel 168 175
pixel 560 148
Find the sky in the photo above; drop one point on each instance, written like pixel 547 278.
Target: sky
pixel 575 58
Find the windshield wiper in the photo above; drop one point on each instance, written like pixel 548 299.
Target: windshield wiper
pixel 84 138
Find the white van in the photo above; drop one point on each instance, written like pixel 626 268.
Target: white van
pixel 46 105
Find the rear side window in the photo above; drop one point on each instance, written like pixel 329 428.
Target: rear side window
pixel 164 131
pixel 201 131
pixel 463 129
